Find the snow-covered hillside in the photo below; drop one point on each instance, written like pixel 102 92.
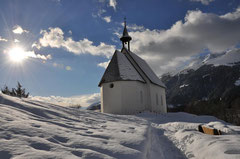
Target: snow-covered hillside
pixel 31 129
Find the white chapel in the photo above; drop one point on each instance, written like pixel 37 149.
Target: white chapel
pixel 129 86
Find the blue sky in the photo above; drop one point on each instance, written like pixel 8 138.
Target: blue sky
pixel 65 42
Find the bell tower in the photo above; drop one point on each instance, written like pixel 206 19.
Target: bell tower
pixel 125 37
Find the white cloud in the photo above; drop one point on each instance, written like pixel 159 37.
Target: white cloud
pixel 36 45
pixel 205 2
pixel 2 39
pixel 19 30
pixel 32 54
pixel 113 3
pixel 54 37
pixel 135 27
pixel 101 11
pixel 232 16
pixel 100 15
pixel 166 49
pixel 16 41
pixel 107 19
pixel 43 57
pixel 104 64
pixel 83 100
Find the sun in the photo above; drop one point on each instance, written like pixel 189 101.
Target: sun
pixel 17 54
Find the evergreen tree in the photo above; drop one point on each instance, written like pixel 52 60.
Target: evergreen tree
pixel 16 92
pixel 13 93
pixel 19 90
pixel 5 90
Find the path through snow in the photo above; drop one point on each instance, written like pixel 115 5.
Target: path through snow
pixel 159 146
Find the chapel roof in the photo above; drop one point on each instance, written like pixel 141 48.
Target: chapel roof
pixel 142 64
pixel 120 69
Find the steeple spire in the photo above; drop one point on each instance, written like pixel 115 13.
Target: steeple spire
pixel 125 37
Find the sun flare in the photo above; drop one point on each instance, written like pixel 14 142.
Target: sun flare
pixel 17 54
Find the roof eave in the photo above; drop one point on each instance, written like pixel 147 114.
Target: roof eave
pixel 119 81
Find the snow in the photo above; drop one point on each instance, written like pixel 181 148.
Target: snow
pixel 183 85
pixel 120 69
pixel 33 129
pixel 205 75
pixel 181 130
pixel 237 82
pixel 146 69
pixel 126 70
pixel 228 58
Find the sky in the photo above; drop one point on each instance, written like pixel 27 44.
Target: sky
pixel 59 49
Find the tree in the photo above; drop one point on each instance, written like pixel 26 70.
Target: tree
pixel 18 92
pixel 5 90
pixel 13 93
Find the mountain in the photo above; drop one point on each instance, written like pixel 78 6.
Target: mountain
pixel 33 129
pixel 210 80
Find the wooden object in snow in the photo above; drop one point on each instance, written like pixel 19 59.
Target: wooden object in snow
pixel 209 131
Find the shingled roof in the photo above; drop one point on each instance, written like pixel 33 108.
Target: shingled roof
pixel 142 64
pixel 121 69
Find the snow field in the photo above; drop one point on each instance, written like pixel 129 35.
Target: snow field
pixel 31 129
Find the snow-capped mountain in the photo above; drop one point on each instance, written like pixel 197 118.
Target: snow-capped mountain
pixel 228 58
pixel 33 129
pixel 213 78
